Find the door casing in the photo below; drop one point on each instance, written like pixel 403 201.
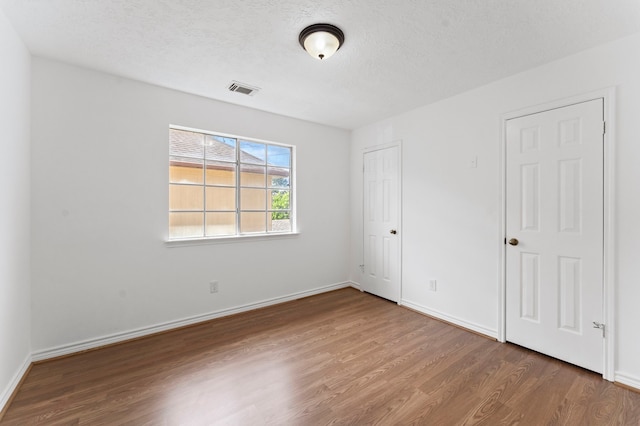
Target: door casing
pixel 608 308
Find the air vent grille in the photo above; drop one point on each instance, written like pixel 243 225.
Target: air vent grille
pixel 243 88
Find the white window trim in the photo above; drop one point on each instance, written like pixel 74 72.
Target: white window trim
pixel 194 241
pixel 185 242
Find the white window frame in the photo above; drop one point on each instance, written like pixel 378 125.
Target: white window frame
pixel 238 236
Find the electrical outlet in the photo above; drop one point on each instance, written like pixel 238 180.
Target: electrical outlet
pixel 433 285
pixel 213 287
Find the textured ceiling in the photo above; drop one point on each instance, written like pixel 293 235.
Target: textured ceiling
pixel 398 54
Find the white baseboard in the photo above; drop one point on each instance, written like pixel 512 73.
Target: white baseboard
pixel 627 380
pixel 448 318
pixel 145 331
pixel 15 381
pixel 356 285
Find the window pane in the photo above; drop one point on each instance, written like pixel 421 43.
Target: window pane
pixel 186 144
pixel 220 198
pixel 186 197
pixel 279 222
pixel 220 148
pixel 252 222
pixel 221 224
pixel 221 186
pixel 185 170
pixel 279 200
pixel 278 156
pixel 252 152
pixel 219 173
pixel 252 199
pixel 279 177
pixel 185 225
pixel 252 176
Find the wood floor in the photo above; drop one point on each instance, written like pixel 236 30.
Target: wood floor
pixel 343 357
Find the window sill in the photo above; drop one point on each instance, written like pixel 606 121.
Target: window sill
pixel 226 240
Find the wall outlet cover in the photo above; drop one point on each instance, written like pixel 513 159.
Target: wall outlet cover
pixel 433 285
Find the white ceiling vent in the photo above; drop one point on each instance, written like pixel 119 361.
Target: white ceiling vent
pixel 243 88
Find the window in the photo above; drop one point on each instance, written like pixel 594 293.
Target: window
pixel 226 186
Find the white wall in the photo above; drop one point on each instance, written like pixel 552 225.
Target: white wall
pixel 451 212
pixel 100 200
pixel 15 310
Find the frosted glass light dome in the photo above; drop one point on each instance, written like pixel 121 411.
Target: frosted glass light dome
pixel 321 40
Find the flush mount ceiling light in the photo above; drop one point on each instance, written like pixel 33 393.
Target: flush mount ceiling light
pixel 321 40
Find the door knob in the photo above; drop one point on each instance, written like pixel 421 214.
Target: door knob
pixel 513 242
pixel 393 231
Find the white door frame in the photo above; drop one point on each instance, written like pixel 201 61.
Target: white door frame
pixel 608 307
pixel 398 144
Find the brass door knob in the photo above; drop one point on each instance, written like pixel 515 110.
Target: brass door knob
pixel 393 231
pixel 513 242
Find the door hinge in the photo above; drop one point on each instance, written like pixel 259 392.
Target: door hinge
pixel 600 326
pixel 604 127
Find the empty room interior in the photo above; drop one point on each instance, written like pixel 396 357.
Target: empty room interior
pixel 297 212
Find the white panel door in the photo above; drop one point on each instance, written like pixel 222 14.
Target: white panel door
pixel 381 221
pixel 554 255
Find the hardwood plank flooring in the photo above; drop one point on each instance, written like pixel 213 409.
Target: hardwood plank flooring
pixel 342 357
